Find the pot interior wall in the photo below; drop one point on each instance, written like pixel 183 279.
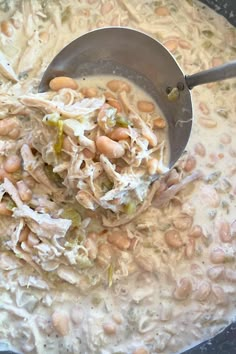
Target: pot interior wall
pixel 224 342
pixel 227 8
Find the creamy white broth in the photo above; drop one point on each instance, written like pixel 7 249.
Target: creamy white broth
pixel 145 310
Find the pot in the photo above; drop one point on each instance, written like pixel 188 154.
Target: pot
pixel 225 341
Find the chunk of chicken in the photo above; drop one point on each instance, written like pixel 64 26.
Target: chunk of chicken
pixel 158 200
pixel 6 69
pixel 35 168
pixel 83 107
pixel 43 225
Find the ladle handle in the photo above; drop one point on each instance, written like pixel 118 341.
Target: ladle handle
pixel 222 72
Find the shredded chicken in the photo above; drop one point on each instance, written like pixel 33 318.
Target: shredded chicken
pixel 133 14
pixel 86 119
pixel 164 198
pixel 15 311
pixel 154 198
pixel 42 224
pixel 6 69
pixel 34 166
pixel 122 182
pixel 84 107
pixel 12 191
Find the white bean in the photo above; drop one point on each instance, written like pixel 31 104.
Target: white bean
pixel 7 125
pixel 171 45
pixel 221 297
pixel 207 122
pixel 184 44
pixel 173 239
pixel 200 149
pixel 110 148
pixel 216 272
pixel 196 269
pixel 12 164
pixel 140 350
pixel 196 231
pixel 183 289
pixel 120 134
pixel 119 240
pixel 60 320
pixel 24 191
pixel 89 92
pixel 145 263
pixel 77 315
pixel 118 85
pixel 225 139
pixel 217 256
pixel 14 133
pixel 117 317
pixel 190 163
pixel 225 232
pixel 162 11
pixel 159 123
pixel 188 209
pixel 106 8
pixel 16 23
pixel 60 82
pixel 203 291
pixel 4 210
pixel 112 101
pixel 230 275
pixel 109 328
pixel 29 181
pixel 190 248
pixel 204 108
pixel 145 106
pixel 4 174
pixel 44 36
pixel 7 28
pixel 183 222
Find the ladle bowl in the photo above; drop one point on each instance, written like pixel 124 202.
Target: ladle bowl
pixel 145 61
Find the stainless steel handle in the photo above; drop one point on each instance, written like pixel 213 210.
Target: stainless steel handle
pixel 222 72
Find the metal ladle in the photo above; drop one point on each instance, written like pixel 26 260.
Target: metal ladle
pixel 145 61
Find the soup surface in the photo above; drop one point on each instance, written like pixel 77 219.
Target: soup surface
pixel 78 278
